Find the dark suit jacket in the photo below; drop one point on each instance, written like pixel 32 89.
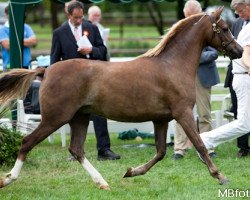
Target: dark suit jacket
pixel 64 45
pixel 235 29
pixel 207 70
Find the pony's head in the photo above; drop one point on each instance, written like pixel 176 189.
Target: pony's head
pixel 222 38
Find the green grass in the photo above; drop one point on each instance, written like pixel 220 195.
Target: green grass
pixel 48 175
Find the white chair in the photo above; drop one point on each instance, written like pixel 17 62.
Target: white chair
pixel 28 122
pixel 223 116
pixel 5 122
pixel 225 108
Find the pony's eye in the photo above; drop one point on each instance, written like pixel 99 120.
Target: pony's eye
pixel 225 29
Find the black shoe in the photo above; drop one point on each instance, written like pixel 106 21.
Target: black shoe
pixel 243 153
pixel 177 156
pixel 212 154
pixel 108 155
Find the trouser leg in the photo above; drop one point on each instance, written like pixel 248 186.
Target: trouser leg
pixel 238 127
pixel 101 133
pixel 203 96
pixel 242 142
pixel 181 141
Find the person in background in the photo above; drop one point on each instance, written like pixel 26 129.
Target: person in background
pixel 94 16
pixel 241 85
pixel 64 46
pixel 28 42
pixel 207 76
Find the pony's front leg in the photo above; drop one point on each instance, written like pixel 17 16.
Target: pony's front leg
pixel 79 126
pixel 160 129
pixel 187 122
pixel 12 175
pixel 95 175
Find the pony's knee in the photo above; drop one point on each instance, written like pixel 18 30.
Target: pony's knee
pixel 26 145
pixel 25 140
pixel 77 154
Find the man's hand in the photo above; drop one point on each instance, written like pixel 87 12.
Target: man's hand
pixel 85 51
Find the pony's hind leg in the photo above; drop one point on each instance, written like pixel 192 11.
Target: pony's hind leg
pixel 30 141
pixel 187 122
pixel 79 126
pixel 160 129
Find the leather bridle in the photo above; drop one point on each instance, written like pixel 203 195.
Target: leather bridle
pixel 217 30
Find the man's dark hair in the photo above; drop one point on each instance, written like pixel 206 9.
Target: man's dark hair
pixel 6 10
pixel 75 4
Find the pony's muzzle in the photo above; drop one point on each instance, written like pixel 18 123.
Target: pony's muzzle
pixel 236 53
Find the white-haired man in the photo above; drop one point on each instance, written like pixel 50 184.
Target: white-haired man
pixel 95 16
pixel 207 76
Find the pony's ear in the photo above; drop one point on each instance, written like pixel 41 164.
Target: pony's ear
pixel 218 12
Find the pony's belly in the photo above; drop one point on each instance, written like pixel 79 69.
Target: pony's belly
pixel 133 115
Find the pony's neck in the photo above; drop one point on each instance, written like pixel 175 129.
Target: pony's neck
pixel 188 45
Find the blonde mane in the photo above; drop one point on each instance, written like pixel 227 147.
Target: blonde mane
pixel 174 30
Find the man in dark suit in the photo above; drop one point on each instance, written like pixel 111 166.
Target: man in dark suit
pixel 242 142
pixel 64 46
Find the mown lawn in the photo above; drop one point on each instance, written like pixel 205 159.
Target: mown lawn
pixel 48 175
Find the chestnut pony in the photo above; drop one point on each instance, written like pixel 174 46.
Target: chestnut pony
pixel 157 86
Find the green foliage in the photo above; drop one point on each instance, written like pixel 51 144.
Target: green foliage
pixel 10 141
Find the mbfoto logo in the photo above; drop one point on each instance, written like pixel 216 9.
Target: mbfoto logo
pixel 234 193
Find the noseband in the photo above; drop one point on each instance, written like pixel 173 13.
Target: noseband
pixel 217 30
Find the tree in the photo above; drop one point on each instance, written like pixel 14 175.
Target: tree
pixel 157 18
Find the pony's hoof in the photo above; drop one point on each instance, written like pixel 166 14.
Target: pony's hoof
pixel 104 187
pixel 224 181
pixel 128 173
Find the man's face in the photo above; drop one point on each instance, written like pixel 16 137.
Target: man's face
pixel 76 17
pixel 243 11
pixel 95 17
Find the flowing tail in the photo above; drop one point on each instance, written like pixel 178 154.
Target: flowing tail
pixel 15 83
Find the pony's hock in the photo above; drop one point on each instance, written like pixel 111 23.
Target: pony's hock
pixel 118 92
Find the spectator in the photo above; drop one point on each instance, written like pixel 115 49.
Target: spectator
pixel 94 16
pixel 207 77
pixel 241 85
pixel 29 41
pixel 64 46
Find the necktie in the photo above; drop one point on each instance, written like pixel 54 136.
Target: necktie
pixel 76 34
